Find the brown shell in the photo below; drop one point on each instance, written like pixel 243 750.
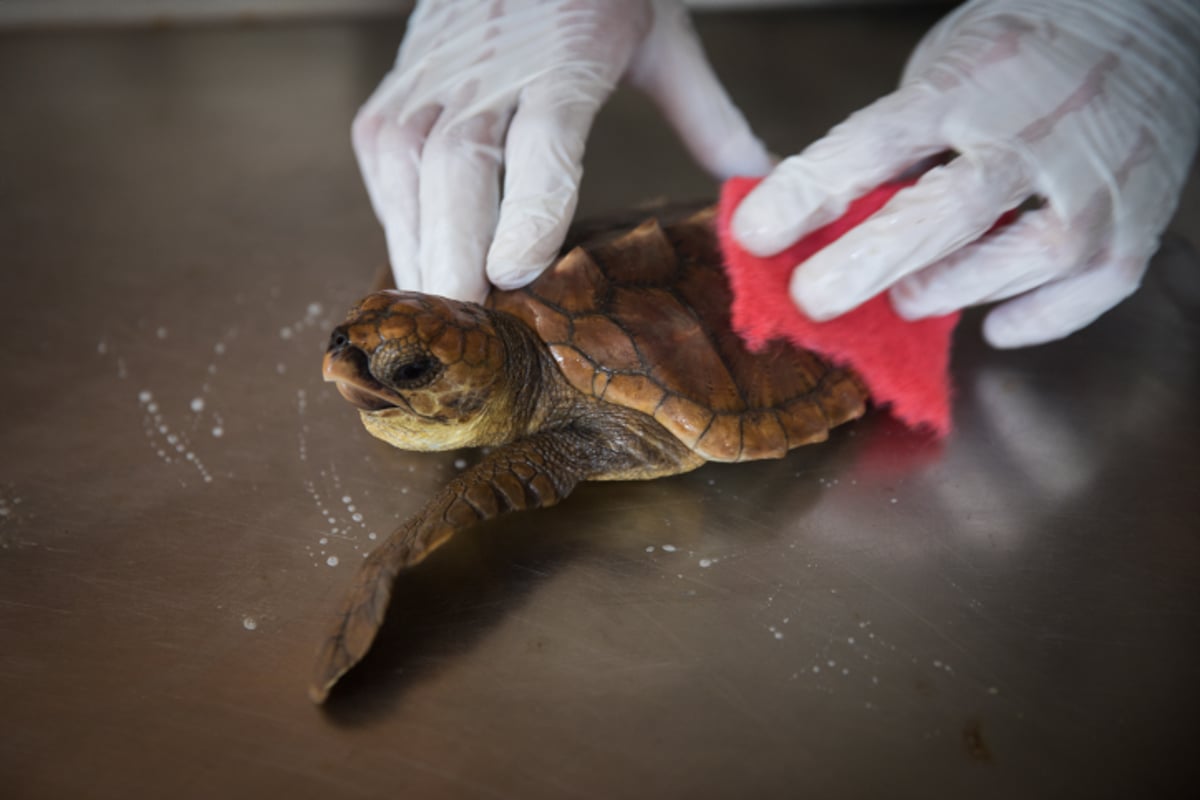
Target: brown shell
pixel 642 320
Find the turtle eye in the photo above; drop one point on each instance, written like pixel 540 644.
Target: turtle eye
pixel 414 372
pixel 338 340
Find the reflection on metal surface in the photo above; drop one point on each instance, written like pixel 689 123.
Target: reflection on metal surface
pixel 1032 436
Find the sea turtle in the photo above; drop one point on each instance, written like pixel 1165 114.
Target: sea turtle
pixel 618 363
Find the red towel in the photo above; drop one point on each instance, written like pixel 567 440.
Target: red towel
pixel 904 364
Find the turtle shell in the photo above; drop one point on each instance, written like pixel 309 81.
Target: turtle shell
pixel 641 319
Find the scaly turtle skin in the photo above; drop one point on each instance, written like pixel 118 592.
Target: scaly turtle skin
pixel 618 363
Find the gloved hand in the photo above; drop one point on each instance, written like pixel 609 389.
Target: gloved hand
pixel 1091 106
pixel 483 86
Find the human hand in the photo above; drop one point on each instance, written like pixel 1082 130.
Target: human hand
pixel 1090 107
pixel 481 87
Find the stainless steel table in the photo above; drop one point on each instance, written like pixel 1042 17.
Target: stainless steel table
pixel 182 501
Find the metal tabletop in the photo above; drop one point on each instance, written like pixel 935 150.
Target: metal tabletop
pixel 1013 613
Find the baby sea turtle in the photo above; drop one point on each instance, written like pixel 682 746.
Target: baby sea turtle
pixel 618 363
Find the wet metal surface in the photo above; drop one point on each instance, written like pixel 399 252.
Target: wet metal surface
pixel 182 501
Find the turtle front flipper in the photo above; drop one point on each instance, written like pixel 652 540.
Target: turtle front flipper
pixel 531 473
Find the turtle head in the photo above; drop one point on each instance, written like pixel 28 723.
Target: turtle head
pixel 426 373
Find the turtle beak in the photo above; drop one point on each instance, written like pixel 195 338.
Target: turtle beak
pixel 346 366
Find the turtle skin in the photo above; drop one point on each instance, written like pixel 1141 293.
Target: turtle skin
pixel 619 362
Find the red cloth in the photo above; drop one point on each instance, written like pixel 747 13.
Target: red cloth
pixel 904 364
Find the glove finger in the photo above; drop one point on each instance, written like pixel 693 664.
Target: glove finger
pixel 384 123
pixel 674 71
pixel 543 167
pixel 947 208
pixel 1035 249
pixel 459 196
pixel 1063 307
pixel 382 106
pixel 813 188
pixel 389 155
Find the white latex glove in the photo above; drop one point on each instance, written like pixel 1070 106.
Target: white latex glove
pixel 480 86
pixel 1089 105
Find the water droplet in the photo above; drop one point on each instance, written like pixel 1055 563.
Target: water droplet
pixel 670 548
pixel 218 431
pixel 144 396
pixel 332 561
pixel 219 348
pixel 197 404
pixel 705 563
pixel 460 463
pixel 249 623
pixel 285 333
